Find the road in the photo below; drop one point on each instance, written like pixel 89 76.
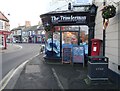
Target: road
pixel 13 59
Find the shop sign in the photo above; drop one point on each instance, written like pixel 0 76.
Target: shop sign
pixel 6 32
pixel 76 19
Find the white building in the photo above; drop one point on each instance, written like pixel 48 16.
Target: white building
pixel 112 48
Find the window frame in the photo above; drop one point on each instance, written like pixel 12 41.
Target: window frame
pixel 2 24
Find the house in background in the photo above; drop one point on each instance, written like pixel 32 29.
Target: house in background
pixel 40 34
pixel 28 33
pixel 4 30
pixel 25 38
pixel 34 34
pixel 17 34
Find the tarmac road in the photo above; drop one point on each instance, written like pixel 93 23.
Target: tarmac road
pixel 12 59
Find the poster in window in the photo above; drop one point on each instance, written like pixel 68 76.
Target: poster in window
pixel 78 54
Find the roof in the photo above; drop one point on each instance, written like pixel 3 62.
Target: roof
pixel 33 28
pixel 77 5
pixel 67 11
pixel 30 28
pixel 3 17
pixel 78 16
pixel 40 28
pixel 18 28
pixel 62 12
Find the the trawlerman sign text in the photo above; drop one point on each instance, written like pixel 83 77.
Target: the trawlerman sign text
pixel 70 18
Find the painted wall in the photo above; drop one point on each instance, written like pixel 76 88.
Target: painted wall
pixel 113 30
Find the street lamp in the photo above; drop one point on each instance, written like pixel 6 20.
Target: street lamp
pixel 69 6
pixel 91 24
pixel 92 13
pixel 93 9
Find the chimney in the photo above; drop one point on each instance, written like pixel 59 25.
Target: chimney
pixel 18 24
pixel 27 24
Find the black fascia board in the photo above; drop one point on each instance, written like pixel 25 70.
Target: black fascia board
pixel 47 18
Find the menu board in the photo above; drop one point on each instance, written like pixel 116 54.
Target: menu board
pixel 66 55
pixel 78 54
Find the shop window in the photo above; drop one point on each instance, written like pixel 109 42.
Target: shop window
pixel 19 32
pixel 70 38
pixel 56 43
pixel 39 32
pixel 1 39
pixel 53 44
pixel 48 37
pixel 84 40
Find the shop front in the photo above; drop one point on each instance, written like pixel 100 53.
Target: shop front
pixel 3 38
pixel 63 34
pixel 41 38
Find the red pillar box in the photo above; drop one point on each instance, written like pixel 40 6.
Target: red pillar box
pixel 96 47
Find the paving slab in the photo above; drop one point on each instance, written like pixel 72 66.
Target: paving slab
pixel 38 74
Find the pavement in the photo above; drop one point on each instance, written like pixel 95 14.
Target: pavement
pixel 40 74
pixel 10 48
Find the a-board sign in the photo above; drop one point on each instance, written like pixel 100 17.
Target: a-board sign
pixel 66 55
pixel 78 54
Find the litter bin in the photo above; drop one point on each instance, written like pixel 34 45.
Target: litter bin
pixel 97 69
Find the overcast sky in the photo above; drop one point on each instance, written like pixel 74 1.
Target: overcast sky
pixel 28 10
pixel 21 10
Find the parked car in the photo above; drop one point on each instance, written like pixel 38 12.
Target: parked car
pixel 18 41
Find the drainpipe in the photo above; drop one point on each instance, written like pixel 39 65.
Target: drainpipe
pixel 104 32
pixel 5 44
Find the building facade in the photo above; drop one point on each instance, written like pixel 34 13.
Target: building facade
pixel 112 40
pixel 4 30
pixel 36 34
pixel 28 34
pixel 17 34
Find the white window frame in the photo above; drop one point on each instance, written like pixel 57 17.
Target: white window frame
pixel 39 32
pixel 3 24
pixel 18 32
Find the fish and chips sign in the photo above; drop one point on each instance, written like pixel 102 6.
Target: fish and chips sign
pixel 68 19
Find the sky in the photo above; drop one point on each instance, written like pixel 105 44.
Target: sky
pixel 23 10
pixel 29 10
